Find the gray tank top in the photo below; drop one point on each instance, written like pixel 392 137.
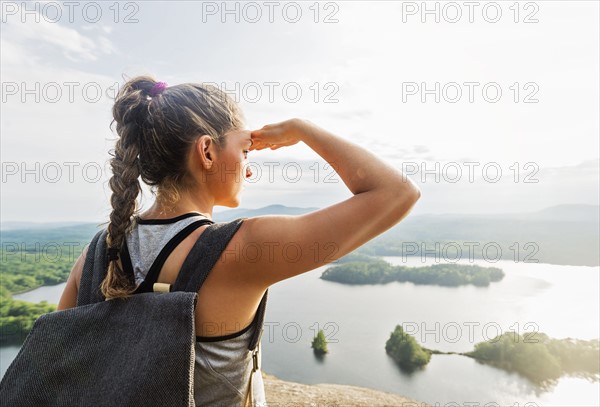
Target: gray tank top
pixel 223 363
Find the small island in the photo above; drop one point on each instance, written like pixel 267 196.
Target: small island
pixel 405 350
pixel 319 343
pixel 372 270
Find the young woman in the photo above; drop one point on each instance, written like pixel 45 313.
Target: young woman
pixel 190 144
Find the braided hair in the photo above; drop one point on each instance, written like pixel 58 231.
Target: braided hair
pixel 156 131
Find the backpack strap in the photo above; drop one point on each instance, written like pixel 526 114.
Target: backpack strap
pixel 258 322
pixel 94 270
pixel 201 260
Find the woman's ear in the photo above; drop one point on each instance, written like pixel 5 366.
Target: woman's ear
pixel 205 149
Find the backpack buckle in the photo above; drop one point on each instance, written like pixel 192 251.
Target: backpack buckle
pixel 255 365
pixel 161 288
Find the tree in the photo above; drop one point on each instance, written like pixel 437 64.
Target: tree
pixel 405 350
pixel 319 343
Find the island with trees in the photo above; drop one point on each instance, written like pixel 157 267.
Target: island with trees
pixel 319 343
pixel 405 350
pixel 372 270
pixel 543 360
pixel 535 356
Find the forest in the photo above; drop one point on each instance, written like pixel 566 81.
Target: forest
pixel 31 259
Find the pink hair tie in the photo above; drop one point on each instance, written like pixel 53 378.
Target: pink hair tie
pixel 158 88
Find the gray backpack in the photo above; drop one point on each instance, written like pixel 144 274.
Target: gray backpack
pixel 138 351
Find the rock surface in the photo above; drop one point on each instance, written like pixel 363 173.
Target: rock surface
pixel 290 394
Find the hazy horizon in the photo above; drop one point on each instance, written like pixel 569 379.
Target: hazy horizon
pixel 225 209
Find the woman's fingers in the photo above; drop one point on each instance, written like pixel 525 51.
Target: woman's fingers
pixel 258 140
pixel 274 136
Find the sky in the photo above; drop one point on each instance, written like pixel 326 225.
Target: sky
pixel 490 108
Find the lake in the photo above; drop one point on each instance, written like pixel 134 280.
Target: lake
pixel 561 301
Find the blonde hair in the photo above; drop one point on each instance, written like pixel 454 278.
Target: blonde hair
pixel 155 137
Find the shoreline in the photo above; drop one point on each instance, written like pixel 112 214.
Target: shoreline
pixel 35 288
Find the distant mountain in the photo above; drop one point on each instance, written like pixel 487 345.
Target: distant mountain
pixel 29 234
pixel 564 234
pixel 267 210
pixel 574 213
pixel 571 213
pixel 222 216
pixel 14 225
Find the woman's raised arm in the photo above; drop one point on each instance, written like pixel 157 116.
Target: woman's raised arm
pixel 291 245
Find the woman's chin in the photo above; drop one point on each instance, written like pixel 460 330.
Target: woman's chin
pixel 231 203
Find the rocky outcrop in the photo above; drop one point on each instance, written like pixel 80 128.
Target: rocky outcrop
pixel 289 394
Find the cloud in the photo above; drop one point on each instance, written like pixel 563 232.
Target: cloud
pixel 93 27
pixel 74 45
pixel 13 54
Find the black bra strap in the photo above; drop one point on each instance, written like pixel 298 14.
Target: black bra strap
pixel 154 272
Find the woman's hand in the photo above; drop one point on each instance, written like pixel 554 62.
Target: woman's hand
pixel 274 136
